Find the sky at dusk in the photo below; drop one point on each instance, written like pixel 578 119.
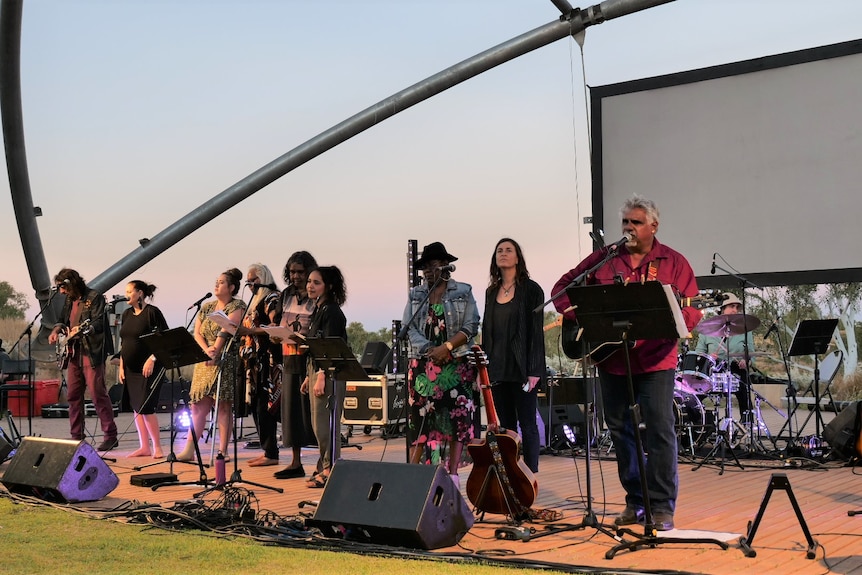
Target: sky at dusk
pixel 136 113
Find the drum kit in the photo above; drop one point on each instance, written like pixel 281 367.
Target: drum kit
pixel 703 378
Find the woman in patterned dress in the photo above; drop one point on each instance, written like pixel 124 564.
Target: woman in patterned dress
pixel 442 321
pixel 205 380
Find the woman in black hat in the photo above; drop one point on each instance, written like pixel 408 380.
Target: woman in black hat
pixel 442 320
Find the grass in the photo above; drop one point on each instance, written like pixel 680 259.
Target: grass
pixel 41 539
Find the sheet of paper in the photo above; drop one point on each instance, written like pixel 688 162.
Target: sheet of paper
pixel 223 321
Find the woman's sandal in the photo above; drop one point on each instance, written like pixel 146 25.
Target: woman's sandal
pixel 317 481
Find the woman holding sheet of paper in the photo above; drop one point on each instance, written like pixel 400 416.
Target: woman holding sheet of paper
pixel 222 372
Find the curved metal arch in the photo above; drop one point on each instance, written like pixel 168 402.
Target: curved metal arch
pixel 571 23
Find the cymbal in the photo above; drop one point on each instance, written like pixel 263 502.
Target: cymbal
pixel 730 324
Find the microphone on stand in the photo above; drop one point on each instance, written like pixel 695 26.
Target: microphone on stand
pixel 447 268
pixel 627 237
pixel 773 327
pixel 198 303
pixel 712 271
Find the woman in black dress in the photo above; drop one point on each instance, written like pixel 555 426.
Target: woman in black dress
pixel 139 370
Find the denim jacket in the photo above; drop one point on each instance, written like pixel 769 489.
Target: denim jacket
pixel 461 315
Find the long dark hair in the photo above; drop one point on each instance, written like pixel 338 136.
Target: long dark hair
pixel 521 272
pixel 73 281
pixel 333 279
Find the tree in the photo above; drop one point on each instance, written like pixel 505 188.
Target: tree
pixel 13 303
pixel 357 337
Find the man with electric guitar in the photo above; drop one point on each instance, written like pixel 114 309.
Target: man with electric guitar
pixel 84 321
pixel 640 257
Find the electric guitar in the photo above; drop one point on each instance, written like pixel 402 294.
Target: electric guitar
pixel 500 481
pixel 66 343
pixel 574 347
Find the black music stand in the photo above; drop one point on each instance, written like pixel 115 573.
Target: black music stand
pixel 623 313
pixel 335 357
pixel 812 337
pixel 174 349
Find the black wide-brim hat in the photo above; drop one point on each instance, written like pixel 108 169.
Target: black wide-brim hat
pixel 434 251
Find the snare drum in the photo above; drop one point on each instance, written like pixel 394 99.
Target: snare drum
pixel 725 382
pixel 697 371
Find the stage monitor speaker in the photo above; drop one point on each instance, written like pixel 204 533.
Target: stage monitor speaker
pixel 843 431
pixel 59 470
pixel 6 446
pixel 398 504
pixel 377 358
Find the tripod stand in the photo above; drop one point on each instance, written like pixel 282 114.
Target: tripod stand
pixel 585 392
pixel 623 313
pixel 176 348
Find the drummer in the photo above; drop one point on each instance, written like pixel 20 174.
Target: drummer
pixel 732 348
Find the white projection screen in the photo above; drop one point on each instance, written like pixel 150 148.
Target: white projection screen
pixel 759 161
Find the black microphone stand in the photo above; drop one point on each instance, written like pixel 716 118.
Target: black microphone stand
pixel 753 439
pixel 236 476
pixel 401 337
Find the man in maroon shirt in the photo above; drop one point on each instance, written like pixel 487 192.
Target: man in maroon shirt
pixel 653 364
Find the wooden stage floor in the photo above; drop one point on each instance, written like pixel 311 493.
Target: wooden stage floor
pixel 714 503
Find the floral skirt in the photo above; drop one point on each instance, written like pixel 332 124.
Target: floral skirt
pixel 441 403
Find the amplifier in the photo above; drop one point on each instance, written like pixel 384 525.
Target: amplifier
pixel 381 401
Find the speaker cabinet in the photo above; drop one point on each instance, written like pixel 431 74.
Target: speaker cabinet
pixel 843 431
pixel 59 470
pixel 396 504
pixel 377 358
pixel 6 446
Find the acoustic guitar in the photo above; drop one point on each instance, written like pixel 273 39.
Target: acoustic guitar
pixel 500 481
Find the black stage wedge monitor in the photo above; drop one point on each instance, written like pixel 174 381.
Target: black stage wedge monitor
pixel 377 358
pixel 60 470
pixel 843 431
pixel 396 504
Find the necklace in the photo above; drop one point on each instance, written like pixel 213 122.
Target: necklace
pixel 507 290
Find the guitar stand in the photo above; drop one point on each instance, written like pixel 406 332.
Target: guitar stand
pixel 777 481
pixel 492 477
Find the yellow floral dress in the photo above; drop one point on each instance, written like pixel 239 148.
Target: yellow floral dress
pixel 205 376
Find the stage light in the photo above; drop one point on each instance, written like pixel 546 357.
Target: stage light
pixel 570 434
pixel 183 420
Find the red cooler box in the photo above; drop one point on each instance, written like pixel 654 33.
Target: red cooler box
pixel 45 392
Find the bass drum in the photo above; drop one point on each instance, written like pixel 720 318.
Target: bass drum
pixel 691 429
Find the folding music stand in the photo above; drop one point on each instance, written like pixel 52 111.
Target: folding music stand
pixel 174 349
pixel 623 313
pixel 336 358
pixel 812 337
